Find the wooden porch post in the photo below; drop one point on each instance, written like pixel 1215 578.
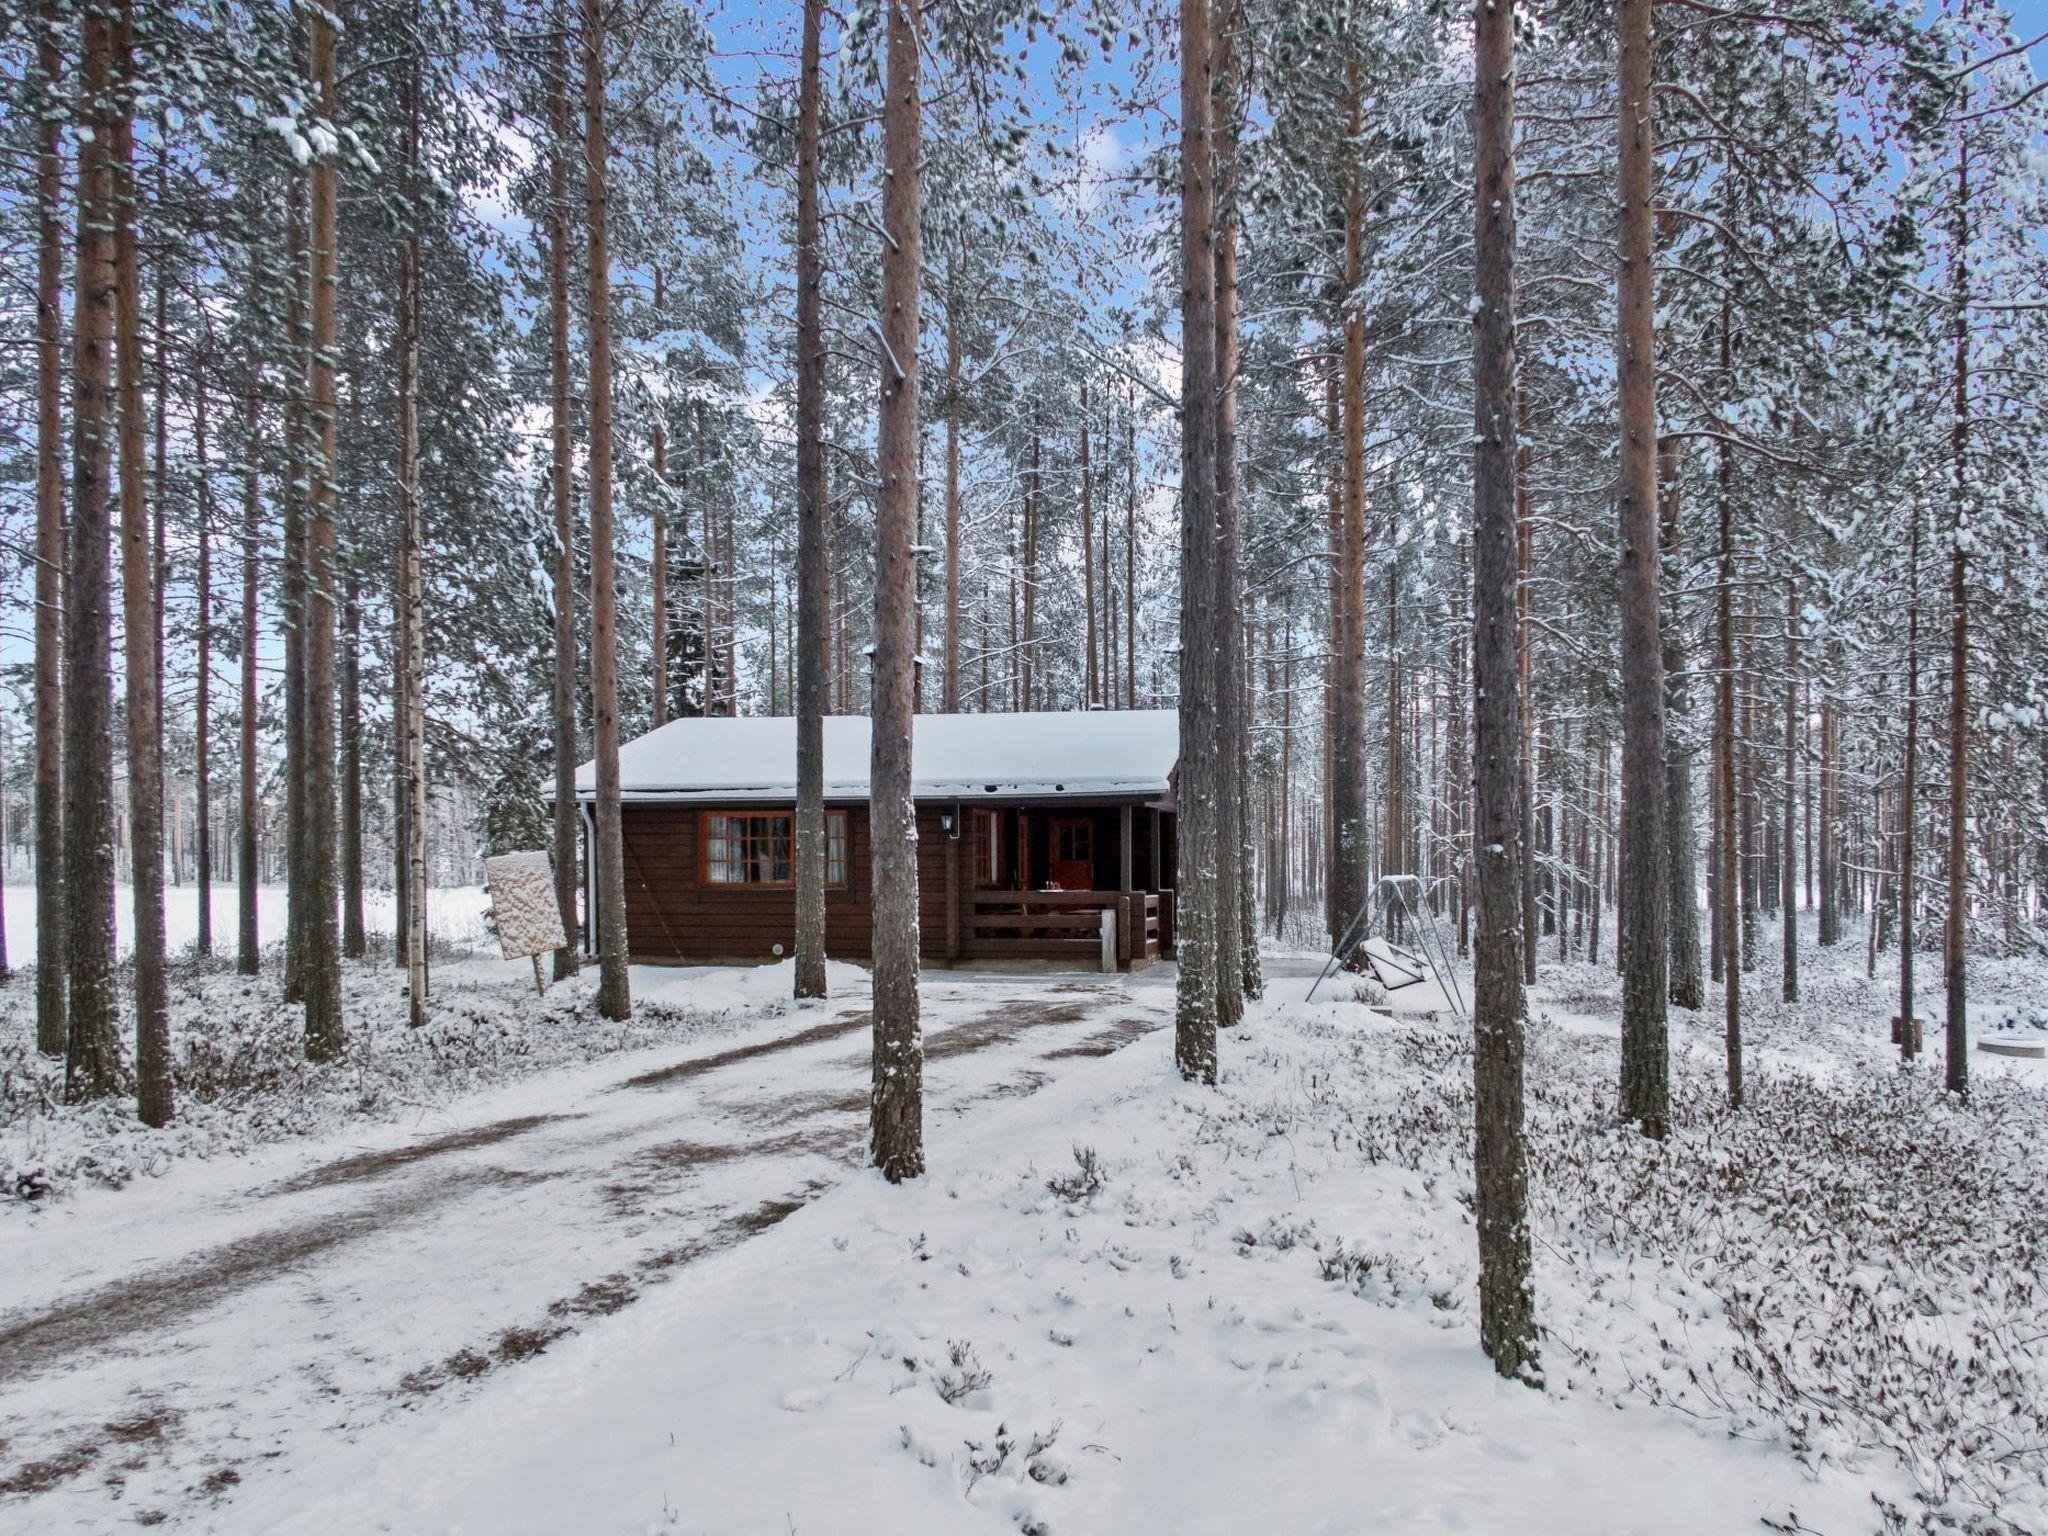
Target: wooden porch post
pixel 1023 849
pixel 953 887
pixel 1123 817
pixel 1157 883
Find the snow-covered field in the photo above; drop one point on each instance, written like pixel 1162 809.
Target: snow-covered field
pixel 653 1291
pixel 455 914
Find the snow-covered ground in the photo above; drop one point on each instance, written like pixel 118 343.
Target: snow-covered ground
pixel 455 914
pixel 653 1290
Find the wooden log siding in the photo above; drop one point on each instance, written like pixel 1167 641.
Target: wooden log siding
pixel 673 914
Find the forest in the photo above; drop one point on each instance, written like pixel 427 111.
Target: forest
pixel 1581 465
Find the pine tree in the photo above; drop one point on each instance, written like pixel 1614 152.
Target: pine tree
pixel 92 1063
pixel 1195 909
pixel 1645 1049
pixel 812 597
pixel 896 1136
pixel 614 993
pixel 1507 1327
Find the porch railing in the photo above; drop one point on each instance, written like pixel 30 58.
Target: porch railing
pixel 1066 925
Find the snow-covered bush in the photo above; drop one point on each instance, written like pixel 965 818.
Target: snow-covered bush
pixel 241 1077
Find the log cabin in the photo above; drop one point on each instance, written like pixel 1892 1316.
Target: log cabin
pixel 1044 839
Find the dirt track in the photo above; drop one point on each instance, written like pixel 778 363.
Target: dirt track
pixel 375 1281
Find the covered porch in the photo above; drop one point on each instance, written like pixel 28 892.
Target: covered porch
pixel 1069 882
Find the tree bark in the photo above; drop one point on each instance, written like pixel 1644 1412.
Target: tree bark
pixel 658 558
pixel 1034 507
pixel 1830 921
pixel 562 453
pixel 52 950
pixel 354 942
pixel 1645 1050
pixel 1131 561
pixel 202 708
pixel 812 589
pixel 1525 655
pixel 1351 844
pixel 1092 676
pixel 1788 870
pixel 325 1029
pixel 293 588
pixel 1955 929
pixel 1909 794
pixel 896 1140
pixel 1196 926
pixel 411 691
pixel 153 1095
pixel 1233 894
pixel 1727 844
pixel 92 1064
pixel 248 956
pixel 1688 984
pixel 1507 1325
pixel 614 990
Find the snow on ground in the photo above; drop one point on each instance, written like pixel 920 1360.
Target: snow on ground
pixel 454 914
pixel 654 1292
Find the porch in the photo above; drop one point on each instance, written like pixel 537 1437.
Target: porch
pixel 1071 884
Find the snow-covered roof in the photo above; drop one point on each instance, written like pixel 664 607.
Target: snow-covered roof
pixel 1100 752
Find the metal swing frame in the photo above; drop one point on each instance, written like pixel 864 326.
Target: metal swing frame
pixel 1406 892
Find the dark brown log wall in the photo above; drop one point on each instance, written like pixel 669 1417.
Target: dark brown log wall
pixel 672 915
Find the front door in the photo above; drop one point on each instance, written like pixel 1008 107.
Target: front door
pixel 1073 853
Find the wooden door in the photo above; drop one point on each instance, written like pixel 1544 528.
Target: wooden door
pixel 1073 853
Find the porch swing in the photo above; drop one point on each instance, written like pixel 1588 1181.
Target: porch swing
pixel 1397 966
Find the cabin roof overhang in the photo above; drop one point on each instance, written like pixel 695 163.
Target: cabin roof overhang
pixel 1100 756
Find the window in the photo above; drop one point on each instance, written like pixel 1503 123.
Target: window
pixel 1075 841
pixel 759 848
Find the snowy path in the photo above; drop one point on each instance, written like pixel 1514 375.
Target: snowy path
pixel 163 1345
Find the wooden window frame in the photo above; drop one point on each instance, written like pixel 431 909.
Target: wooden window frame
pixel 705 882
pixel 1064 824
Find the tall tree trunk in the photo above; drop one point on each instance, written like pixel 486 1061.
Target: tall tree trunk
pixel 1196 926
pixel 1351 846
pixel 1955 929
pixel 1688 985
pixel 1233 895
pixel 411 712
pixel 1336 498
pixel 1507 1324
pixel 354 942
pixel 325 1029
pixel 949 700
pixel 1727 843
pixel 1131 559
pixel 1034 507
pixel 1460 770
pixel 1525 653
pixel 568 959
pixel 1824 829
pixel 1788 870
pixel 1131 554
pixel 896 1105
pixel 293 587
pixel 248 957
pixel 153 1097
pixel 614 990
pixel 657 575
pixel 812 578
pixel 1909 795
pixel 52 895
pixel 202 709
pixel 1283 864
pixel 1645 1043
pixel 1092 676
pixel 93 1053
